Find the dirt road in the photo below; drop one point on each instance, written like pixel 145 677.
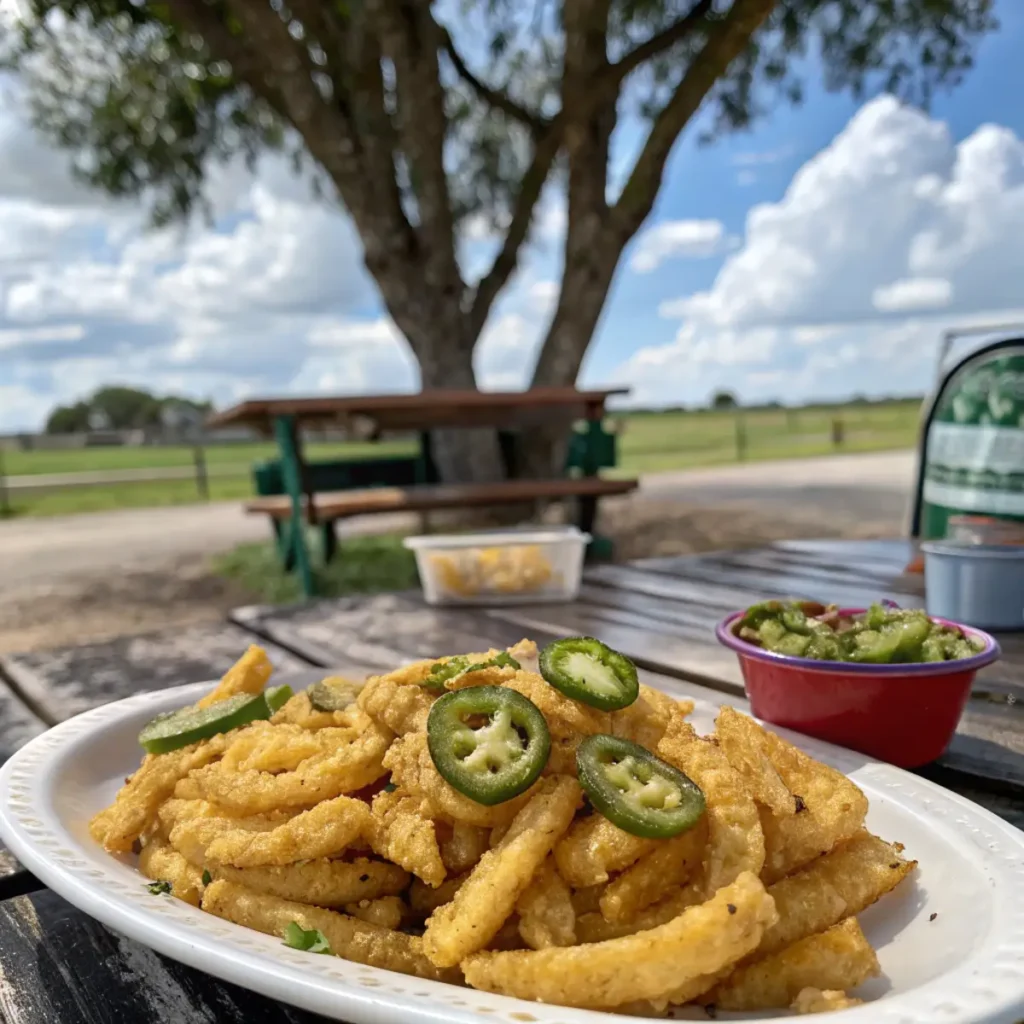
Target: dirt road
pixel 69 579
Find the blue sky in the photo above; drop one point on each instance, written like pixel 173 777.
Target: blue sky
pixel 708 181
pixel 817 256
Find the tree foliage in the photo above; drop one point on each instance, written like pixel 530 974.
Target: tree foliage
pixel 422 115
pixel 123 408
pixel 724 400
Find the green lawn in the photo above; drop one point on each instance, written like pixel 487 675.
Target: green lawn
pixel 362 564
pixel 17 463
pixel 648 443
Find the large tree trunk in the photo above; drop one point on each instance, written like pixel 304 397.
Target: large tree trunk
pixel 462 455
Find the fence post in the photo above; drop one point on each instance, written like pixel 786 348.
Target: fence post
pixel 741 437
pixel 5 504
pixel 790 419
pixel 202 481
pixel 837 432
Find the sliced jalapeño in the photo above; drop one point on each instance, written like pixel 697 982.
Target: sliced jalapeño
pixel 488 742
pixel 589 671
pixel 635 790
pixel 175 729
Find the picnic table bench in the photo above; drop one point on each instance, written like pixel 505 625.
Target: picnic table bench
pixel 58 966
pixel 296 493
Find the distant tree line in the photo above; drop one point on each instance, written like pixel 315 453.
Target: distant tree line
pixel 724 401
pixel 122 408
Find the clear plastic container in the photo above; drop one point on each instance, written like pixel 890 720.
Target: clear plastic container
pixel 984 530
pixel 500 567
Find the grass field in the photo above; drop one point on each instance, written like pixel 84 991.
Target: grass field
pixel 648 443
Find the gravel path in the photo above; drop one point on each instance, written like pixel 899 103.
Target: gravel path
pixel 69 579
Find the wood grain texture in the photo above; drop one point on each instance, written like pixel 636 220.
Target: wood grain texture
pixel 376 633
pixel 58 966
pixel 18 723
pixel 63 682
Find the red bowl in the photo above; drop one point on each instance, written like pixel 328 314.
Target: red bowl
pixel 903 714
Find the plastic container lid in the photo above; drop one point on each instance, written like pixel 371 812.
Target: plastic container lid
pixel 1010 552
pixel 497 538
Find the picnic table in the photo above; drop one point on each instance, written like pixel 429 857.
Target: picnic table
pixel 295 492
pixel 58 966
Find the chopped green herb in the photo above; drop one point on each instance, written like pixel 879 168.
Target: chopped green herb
pixel 444 671
pixel 390 787
pixel 159 888
pixel 309 941
pixel 207 878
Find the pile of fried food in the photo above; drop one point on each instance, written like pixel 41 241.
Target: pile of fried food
pixel 732 878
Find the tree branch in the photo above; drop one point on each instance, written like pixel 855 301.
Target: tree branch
pixel 530 188
pixel 410 38
pixel 726 39
pixel 497 98
pixel 660 42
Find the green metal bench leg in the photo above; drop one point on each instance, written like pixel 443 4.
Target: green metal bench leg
pixel 599 548
pixel 291 471
pixel 329 540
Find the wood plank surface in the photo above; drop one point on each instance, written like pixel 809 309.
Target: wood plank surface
pixel 427 410
pixel 60 683
pixel 58 966
pixel 376 633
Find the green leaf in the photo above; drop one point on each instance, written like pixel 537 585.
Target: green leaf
pixel 159 888
pixel 309 941
pixel 207 878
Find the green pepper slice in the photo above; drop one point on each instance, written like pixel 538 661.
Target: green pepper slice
pixel 488 742
pixel 333 694
pixel 175 729
pixel 636 790
pixel 445 671
pixel 589 671
pixel 278 696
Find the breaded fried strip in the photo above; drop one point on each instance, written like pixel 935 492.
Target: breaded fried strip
pixel 834 810
pixel 345 769
pixel 248 675
pixel 546 914
pixel 646 720
pixel 463 847
pixel 300 712
pixel 135 806
pixel 387 912
pixel 489 895
pixel 322 883
pixel 655 875
pixel 161 863
pixel 701 940
pixel 264 747
pixel 840 958
pixel 735 839
pixel 401 707
pixel 594 848
pixel 840 884
pixel 743 743
pixel 350 938
pixel 400 831
pixel 326 829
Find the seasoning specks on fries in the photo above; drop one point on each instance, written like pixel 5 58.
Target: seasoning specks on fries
pixel 537 825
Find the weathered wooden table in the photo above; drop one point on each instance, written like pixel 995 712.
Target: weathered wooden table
pixel 57 965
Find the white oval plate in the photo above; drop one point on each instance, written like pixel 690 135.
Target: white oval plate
pixel 950 939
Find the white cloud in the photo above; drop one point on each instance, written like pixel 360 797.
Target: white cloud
pixel 893 217
pixel 746 177
pixel 892 198
pixel 673 239
pixel 912 294
pixel 761 158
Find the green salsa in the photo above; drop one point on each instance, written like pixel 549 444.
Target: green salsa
pixel 882 635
